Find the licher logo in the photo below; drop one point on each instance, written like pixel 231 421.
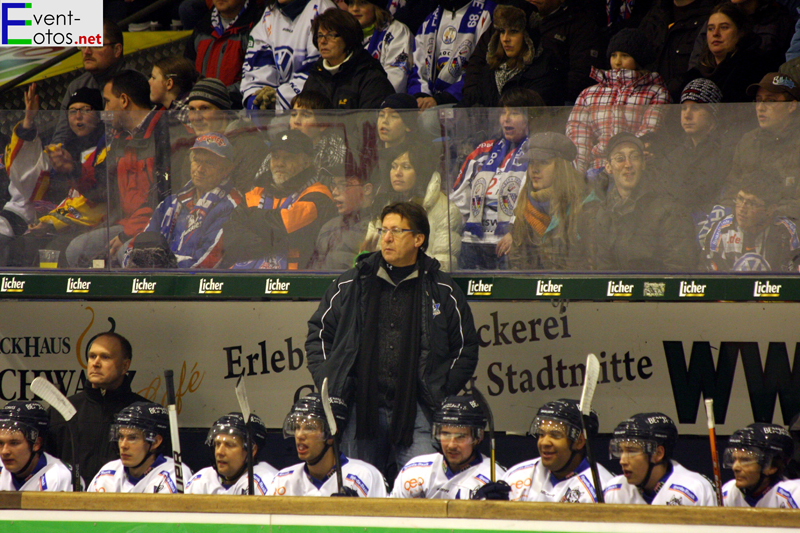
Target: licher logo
pixel 479 288
pixel 617 288
pixel 11 285
pixel 142 286
pixel 276 286
pixel 209 286
pixel 77 285
pixel 52 23
pixel 761 289
pixel 691 289
pixel 548 288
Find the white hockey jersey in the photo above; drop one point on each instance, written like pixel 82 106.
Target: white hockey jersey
pixel 392 47
pixel 295 480
pixel 532 482
pixel 682 487
pixel 159 479
pixel 428 476
pixel 207 481
pixel 50 475
pixel 280 53
pixel 783 495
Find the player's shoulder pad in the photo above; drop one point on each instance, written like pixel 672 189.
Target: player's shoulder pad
pixel 525 465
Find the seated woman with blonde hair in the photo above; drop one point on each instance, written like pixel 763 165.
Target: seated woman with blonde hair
pixel 553 216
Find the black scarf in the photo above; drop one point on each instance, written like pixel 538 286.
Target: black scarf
pixel 367 390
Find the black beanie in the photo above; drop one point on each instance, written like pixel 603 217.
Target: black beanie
pixel 635 43
pixel 85 95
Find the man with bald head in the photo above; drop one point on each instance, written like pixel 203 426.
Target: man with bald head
pixel 107 390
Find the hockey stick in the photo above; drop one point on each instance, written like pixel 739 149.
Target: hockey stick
pixel 326 406
pixel 712 437
pixel 481 399
pixel 49 393
pixel 589 385
pixel 244 406
pixel 173 430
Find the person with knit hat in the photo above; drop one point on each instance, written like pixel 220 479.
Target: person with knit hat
pixel 386 39
pixel 554 215
pixel 515 58
pixel 628 84
pixel 694 169
pixel 65 171
pixel 397 119
pixel 210 110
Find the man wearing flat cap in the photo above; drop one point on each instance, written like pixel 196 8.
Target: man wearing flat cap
pixel 640 229
pixel 279 226
pixel 773 149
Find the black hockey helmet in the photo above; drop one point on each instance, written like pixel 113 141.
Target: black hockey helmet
pixel 650 430
pixel 152 419
pixel 567 412
pixel 30 418
pixel 761 442
pixel 234 424
pixel 458 411
pixel 308 412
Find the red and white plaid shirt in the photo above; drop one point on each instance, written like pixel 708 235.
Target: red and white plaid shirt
pixel 623 100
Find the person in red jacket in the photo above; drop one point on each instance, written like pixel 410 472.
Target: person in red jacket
pixel 219 42
pixel 137 165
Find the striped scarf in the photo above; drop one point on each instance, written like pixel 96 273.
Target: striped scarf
pixel 537 210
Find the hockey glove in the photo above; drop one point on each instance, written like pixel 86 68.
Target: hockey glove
pixel 347 492
pixel 493 491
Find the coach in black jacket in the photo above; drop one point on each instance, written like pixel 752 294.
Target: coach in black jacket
pixel 396 335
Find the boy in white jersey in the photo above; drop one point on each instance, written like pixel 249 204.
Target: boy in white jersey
pixel 228 437
pixel 459 469
pixel 644 444
pixel 141 431
pixel 26 467
pixel 316 475
pixel 561 473
pixel 758 455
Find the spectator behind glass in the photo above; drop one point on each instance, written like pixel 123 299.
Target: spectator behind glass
pixel 488 185
pixel 218 44
pixel 31 166
pixel 771 21
pixel 773 149
pixel 171 79
pixel 278 228
pixel 514 58
pixel 672 27
pixel 397 119
pixel 731 57
pixel 280 53
pixel 693 172
pixel 442 47
pixel 597 115
pixel 638 228
pixel 554 217
pixel 209 106
pixel 345 72
pixel 191 220
pixel 100 63
pixel 753 238
pixel 138 170
pixel 385 39
pixel 569 29
pixel 340 238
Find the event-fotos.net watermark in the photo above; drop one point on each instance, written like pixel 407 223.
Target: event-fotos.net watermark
pixel 51 23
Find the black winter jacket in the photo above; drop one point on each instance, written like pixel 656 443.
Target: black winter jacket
pixel 448 347
pixel 91 426
pixel 360 83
